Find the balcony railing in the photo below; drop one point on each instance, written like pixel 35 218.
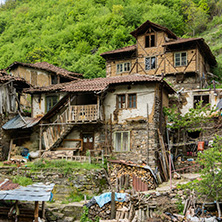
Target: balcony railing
pixel 84 113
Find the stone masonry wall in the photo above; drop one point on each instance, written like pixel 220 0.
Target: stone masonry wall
pixel 91 182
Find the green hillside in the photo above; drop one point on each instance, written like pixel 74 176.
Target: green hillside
pixel 73 33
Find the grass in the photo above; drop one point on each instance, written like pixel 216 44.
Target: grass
pixel 23 181
pixel 64 166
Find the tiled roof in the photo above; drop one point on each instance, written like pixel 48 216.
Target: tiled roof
pixel 100 84
pixel 97 84
pixel 120 50
pixel 50 88
pixel 178 41
pixel 143 28
pixel 5 77
pixel 47 67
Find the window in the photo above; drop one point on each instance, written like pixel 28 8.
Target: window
pixel 50 102
pixel 54 79
pixel 123 67
pixel 121 101
pixel 204 98
pixel 122 141
pixel 132 100
pixel 150 40
pixel 126 101
pixel 180 59
pixel 150 63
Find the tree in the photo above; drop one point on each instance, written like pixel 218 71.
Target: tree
pixel 211 184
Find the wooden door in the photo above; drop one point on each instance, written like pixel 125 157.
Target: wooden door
pixel 88 141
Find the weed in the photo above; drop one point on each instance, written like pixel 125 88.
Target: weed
pixel 23 181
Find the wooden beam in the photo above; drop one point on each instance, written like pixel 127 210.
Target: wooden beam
pixel 10 149
pixel 113 209
pixel 36 211
pixel 43 209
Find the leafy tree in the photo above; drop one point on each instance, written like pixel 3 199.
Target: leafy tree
pixel 210 186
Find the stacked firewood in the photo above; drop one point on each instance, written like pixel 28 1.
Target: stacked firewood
pixel 138 208
pixel 122 176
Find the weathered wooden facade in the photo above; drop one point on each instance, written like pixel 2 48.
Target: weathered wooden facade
pixel 42 73
pixel 158 51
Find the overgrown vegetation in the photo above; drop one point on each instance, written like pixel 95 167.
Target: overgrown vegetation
pixel 85 218
pixel 62 165
pixel 209 186
pixel 73 33
pixel 23 181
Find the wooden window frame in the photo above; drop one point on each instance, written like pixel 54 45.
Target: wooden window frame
pixel 150 60
pixel 126 101
pixel 128 104
pixel 201 99
pixel 123 65
pixel 180 57
pixel 46 102
pixel 150 45
pixel 121 102
pixel 121 141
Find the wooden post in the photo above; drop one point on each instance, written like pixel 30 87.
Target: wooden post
pixel 69 110
pixel 98 107
pixel 102 157
pixel 40 140
pixel 36 212
pixel 43 209
pixel 111 133
pixel 113 209
pixel 10 149
pixel 148 136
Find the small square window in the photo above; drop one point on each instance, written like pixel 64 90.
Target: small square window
pixel 150 40
pixel 132 100
pixel 204 98
pixel 50 102
pixel 150 63
pixel 122 141
pixel 180 59
pixel 121 101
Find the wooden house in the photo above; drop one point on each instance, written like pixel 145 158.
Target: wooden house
pixel 158 51
pixel 41 74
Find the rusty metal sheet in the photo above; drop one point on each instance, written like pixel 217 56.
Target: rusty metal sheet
pixel 19 122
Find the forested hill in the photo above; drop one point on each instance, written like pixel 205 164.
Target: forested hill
pixel 72 33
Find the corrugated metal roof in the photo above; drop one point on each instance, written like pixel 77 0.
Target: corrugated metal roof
pixel 20 123
pixel 34 192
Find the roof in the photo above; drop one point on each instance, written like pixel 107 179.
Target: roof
pixel 19 82
pixel 203 46
pixel 100 84
pixel 130 48
pixel 34 192
pixel 143 28
pixel 50 88
pixel 47 67
pixel 19 122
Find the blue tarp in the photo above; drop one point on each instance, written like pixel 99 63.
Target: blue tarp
pixel 106 197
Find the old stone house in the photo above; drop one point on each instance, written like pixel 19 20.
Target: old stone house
pixel 119 115
pixel 41 74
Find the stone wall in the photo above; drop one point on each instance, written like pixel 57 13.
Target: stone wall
pixel 82 181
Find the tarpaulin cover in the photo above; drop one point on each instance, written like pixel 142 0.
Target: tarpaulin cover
pixel 106 197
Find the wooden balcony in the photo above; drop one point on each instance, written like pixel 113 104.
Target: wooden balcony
pixel 84 113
